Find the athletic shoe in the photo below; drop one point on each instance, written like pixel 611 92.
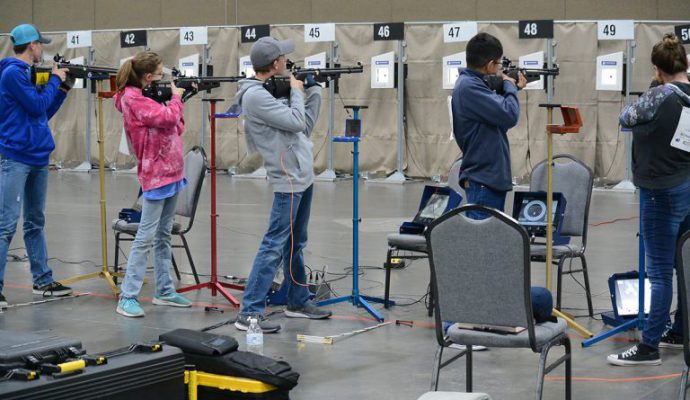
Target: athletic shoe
pixel 670 340
pixel 3 301
pixel 52 289
pixel 636 355
pixel 242 323
pixel 174 300
pixel 308 310
pixel 129 308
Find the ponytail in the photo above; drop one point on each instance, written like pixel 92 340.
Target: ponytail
pixel 133 70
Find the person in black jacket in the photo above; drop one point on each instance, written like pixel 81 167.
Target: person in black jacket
pixel 661 169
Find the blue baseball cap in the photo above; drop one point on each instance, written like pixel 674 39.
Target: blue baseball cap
pixel 27 33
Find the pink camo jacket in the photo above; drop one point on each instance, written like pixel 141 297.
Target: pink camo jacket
pixel 153 132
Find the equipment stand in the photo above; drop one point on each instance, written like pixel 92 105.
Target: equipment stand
pixel 355 298
pixel 214 284
pixel 570 126
pixel 640 320
pixel 105 271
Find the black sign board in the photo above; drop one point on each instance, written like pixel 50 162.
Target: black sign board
pixel 536 29
pixel 252 33
pixel 683 33
pixel 389 31
pixel 133 38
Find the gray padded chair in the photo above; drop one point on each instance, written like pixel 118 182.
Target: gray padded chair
pixel 683 271
pixel 480 273
pixel 575 180
pixel 454 396
pixel 195 170
pixel 413 247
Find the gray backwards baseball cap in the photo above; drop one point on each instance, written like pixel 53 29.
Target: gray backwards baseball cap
pixel 267 49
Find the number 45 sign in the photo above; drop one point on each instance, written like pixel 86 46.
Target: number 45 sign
pixel 319 33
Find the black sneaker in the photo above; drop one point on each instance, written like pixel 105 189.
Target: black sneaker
pixel 53 289
pixel 670 340
pixel 3 301
pixel 636 355
pixel 308 310
pixel 242 323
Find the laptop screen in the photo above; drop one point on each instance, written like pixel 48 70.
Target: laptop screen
pixel 627 296
pixel 533 211
pixel 434 208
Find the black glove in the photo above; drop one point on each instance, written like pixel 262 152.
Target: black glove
pixel 309 81
pixel 68 83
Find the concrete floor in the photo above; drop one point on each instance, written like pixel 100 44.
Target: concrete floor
pixel 392 362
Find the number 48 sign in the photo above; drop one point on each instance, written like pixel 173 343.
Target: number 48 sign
pixel 540 29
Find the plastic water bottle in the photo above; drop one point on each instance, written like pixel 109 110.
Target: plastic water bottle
pixel 255 337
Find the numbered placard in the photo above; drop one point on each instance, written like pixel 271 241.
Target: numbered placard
pixel 683 33
pixel 459 31
pixel 193 35
pixel 536 29
pixel 389 31
pixel 623 29
pixel 77 39
pixel 133 38
pixel 319 33
pixel 252 33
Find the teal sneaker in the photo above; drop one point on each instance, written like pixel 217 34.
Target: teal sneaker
pixel 129 308
pixel 174 300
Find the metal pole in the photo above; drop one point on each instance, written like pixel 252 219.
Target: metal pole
pixel 398 176
pixel 204 59
pixel 331 110
pixel 89 108
pixel 401 103
pixel 549 200
pixel 629 60
pixel 626 184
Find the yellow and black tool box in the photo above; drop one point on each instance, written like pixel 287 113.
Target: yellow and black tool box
pixel 150 372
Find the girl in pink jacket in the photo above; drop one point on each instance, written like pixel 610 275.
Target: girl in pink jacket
pixel 153 132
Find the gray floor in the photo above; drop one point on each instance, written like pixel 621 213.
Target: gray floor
pixel 392 362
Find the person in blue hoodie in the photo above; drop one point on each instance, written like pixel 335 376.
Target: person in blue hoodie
pixel 481 119
pixel 25 146
pixel 280 130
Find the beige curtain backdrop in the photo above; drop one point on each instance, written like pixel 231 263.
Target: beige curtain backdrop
pixel 428 148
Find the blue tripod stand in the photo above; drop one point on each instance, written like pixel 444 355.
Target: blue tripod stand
pixel 640 320
pixel 355 297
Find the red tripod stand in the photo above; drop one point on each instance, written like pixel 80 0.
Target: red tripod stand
pixel 214 284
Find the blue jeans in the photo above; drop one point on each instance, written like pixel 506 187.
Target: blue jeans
pixel 154 230
pixel 275 247
pixel 24 185
pixel 485 196
pixel 665 216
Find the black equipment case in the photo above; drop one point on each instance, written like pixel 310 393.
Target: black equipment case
pixel 22 349
pixel 128 375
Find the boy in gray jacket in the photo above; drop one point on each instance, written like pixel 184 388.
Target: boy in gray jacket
pixel 279 130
